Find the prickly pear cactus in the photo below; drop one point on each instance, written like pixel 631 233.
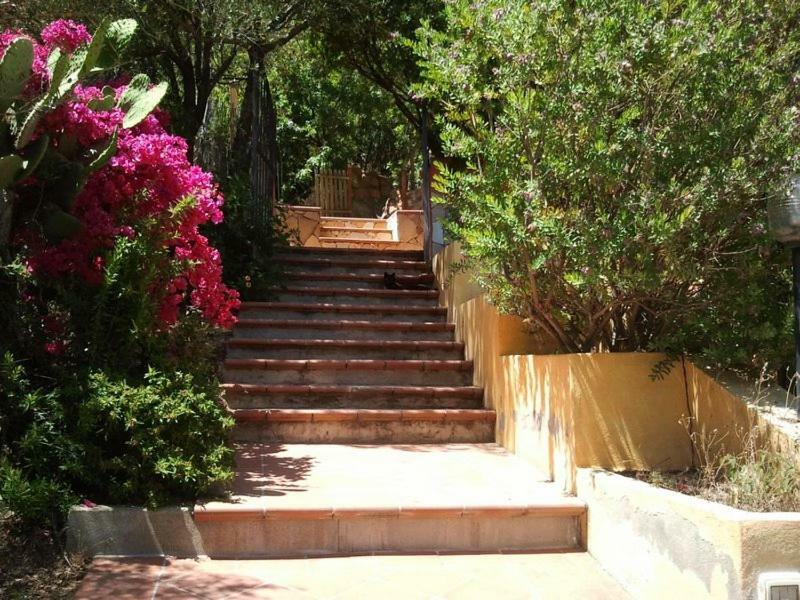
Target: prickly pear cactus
pixel 66 168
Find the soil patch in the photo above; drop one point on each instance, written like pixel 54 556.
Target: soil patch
pixel 33 565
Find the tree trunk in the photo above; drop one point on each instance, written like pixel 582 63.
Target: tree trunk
pixel 6 216
pixel 270 141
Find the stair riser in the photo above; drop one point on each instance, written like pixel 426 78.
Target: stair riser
pixel 378 235
pixel 339 352
pixel 350 253
pixel 238 400
pixel 376 284
pixel 376 269
pixel 360 300
pixel 348 377
pixel 375 317
pixel 314 333
pixel 368 225
pixel 281 537
pixel 355 432
pixel 356 243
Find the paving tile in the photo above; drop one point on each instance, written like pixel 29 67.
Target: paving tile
pixel 428 475
pixel 121 579
pixel 458 577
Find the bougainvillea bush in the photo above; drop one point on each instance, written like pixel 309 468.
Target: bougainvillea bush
pixel 109 369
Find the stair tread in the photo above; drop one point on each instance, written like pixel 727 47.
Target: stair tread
pixel 345 308
pixel 365 415
pixel 354 219
pixel 407 254
pixel 333 262
pixel 323 291
pixel 395 344
pixel 354 229
pixel 350 363
pixel 358 277
pixel 317 481
pixel 360 390
pixel 344 324
pixel 350 240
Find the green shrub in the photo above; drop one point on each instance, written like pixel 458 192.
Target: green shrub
pixel 247 249
pixel 157 441
pixel 37 458
pixel 99 437
pixel 613 163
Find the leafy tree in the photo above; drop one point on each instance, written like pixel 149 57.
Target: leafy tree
pixel 194 44
pixel 618 158
pixel 197 43
pixel 330 116
pixel 371 37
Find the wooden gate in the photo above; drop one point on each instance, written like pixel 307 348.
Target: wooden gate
pixel 333 193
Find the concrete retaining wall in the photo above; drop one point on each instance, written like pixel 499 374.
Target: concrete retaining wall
pixel 663 544
pixel 133 531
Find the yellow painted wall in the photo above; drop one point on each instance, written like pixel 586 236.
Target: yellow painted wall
pixel 566 411
pixel 623 418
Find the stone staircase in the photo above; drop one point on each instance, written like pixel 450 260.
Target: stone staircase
pixel 358 427
pixel 358 233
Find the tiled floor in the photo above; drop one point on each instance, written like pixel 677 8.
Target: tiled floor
pixel 431 577
pixel 427 475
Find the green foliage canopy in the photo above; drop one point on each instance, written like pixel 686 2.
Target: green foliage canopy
pixel 618 156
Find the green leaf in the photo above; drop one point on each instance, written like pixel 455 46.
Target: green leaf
pixel 95 49
pixel 138 103
pixel 59 225
pixel 38 150
pixel 103 156
pixel 118 37
pixel 10 166
pixel 29 125
pixel 107 102
pixel 15 70
pixel 58 64
pixel 137 86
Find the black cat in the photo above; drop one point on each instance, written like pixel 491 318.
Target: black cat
pixel 390 282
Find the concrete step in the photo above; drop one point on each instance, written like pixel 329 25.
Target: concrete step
pixel 372 297
pixel 344 349
pixel 358 243
pixel 355 280
pixel 350 372
pixel 351 396
pixel 351 265
pixel 352 253
pixel 361 233
pixel 355 223
pixel 334 311
pixel 300 499
pixel 364 425
pixel 342 330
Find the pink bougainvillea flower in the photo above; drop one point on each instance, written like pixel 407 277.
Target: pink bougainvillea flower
pixel 66 35
pixel 56 347
pixel 149 180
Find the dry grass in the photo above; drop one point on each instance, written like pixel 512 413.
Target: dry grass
pixel 33 565
pixel 756 479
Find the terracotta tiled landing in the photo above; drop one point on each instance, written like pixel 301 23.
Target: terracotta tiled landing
pixel 427 577
pixel 458 478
